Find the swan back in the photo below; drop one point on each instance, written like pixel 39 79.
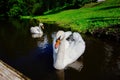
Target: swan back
pixel 76 47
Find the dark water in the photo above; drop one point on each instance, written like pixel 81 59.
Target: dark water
pixel 33 57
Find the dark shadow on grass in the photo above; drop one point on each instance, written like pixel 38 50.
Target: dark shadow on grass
pixel 103 19
pixel 59 9
pixel 109 7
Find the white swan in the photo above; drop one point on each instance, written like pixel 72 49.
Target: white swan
pixel 37 29
pixel 67 48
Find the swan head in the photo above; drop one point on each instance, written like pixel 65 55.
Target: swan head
pixel 60 34
pixel 59 37
pixel 41 25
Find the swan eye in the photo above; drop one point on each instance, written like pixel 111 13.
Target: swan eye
pixel 58 38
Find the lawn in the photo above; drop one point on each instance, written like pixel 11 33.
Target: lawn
pixel 90 17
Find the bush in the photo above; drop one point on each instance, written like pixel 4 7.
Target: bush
pixel 14 11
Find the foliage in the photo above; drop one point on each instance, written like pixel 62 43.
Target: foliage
pixel 3 7
pixel 14 11
pixel 16 8
pixel 36 9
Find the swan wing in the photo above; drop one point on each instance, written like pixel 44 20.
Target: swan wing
pixel 36 30
pixel 75 49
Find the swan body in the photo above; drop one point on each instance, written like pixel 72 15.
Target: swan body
pixel 37 29
pixel 37 35
pixel 67 48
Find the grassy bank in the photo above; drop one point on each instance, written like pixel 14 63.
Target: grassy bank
pixel 90 17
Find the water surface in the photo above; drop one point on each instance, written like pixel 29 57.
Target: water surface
pixel 33 56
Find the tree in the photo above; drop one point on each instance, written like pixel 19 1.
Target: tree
pixel 16 8
pixel 3 7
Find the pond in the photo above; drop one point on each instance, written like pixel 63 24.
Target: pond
pixel 33 56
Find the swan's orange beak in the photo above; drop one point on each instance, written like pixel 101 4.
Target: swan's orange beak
pixel 57 43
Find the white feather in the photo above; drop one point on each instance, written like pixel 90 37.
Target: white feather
pixel 67 52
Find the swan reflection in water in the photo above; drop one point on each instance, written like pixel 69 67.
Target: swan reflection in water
pixel 44 43
pixel 77 65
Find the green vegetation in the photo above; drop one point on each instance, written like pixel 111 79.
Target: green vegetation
pixel 16 8
pixel 90 17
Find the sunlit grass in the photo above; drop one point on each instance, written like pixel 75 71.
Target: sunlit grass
pixel 88 18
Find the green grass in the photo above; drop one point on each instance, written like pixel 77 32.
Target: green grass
pixel 90 17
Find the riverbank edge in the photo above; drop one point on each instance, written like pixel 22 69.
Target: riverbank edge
pixel 109 33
